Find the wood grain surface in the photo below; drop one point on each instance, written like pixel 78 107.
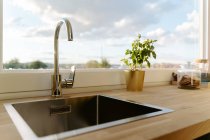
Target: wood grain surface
pixel 190 119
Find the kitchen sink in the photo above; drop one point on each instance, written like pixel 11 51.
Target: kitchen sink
pixel 60 118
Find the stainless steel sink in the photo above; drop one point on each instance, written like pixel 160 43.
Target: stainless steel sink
pixel 60 118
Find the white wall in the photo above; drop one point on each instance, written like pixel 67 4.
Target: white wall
pixel 31 83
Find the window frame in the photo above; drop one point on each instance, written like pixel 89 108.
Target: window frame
pixel 1 35
pixel 204 31
pixel 208 33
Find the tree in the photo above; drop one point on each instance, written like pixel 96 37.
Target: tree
pixel 95 64
pixel 92 64
pixel 13 64
pixel 105 63
pixel 37 65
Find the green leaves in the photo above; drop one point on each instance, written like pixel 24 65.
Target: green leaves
pixel 154 55
pixel 139 53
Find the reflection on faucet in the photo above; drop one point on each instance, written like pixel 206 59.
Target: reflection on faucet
pixel 56 77
pixel 68 83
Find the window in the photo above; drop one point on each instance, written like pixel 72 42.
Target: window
pixel 102 29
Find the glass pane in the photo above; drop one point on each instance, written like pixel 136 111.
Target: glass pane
pixel 103 30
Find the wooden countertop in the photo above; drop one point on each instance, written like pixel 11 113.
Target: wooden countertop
pixel 190 119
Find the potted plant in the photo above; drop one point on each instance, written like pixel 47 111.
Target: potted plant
pixel 139 54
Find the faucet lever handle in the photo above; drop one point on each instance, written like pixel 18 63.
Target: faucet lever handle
pixel 69 82
pixel 72 72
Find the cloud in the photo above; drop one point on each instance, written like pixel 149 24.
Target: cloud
pixel 178 44
pixel 189 30
pixel 159 34
pixel 116 17
pixel 39 32
pixel 108 23
pixel 15 22
pixel 123 23
pixel 160 6
pixel 156 32
pixel 185 33
pixel 28 5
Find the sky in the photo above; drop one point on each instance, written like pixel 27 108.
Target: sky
pixel 101 28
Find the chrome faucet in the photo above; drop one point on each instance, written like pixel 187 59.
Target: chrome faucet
pixel 57 83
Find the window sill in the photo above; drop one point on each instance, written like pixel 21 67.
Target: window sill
pixel 25 81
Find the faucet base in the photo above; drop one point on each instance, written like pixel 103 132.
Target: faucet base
pixel 56 86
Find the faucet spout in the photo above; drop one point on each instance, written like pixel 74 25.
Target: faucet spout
pixel 68 29
pixel 56 79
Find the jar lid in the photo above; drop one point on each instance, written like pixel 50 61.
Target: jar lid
pixel 201 60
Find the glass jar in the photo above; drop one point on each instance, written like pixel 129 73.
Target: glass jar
pixel 202 64
pixel 189 78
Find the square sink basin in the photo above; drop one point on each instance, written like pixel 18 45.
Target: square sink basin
pixel 61 118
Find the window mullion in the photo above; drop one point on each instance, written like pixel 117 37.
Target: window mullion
pixel 1 35
pixel 208 33
pixel 202 29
